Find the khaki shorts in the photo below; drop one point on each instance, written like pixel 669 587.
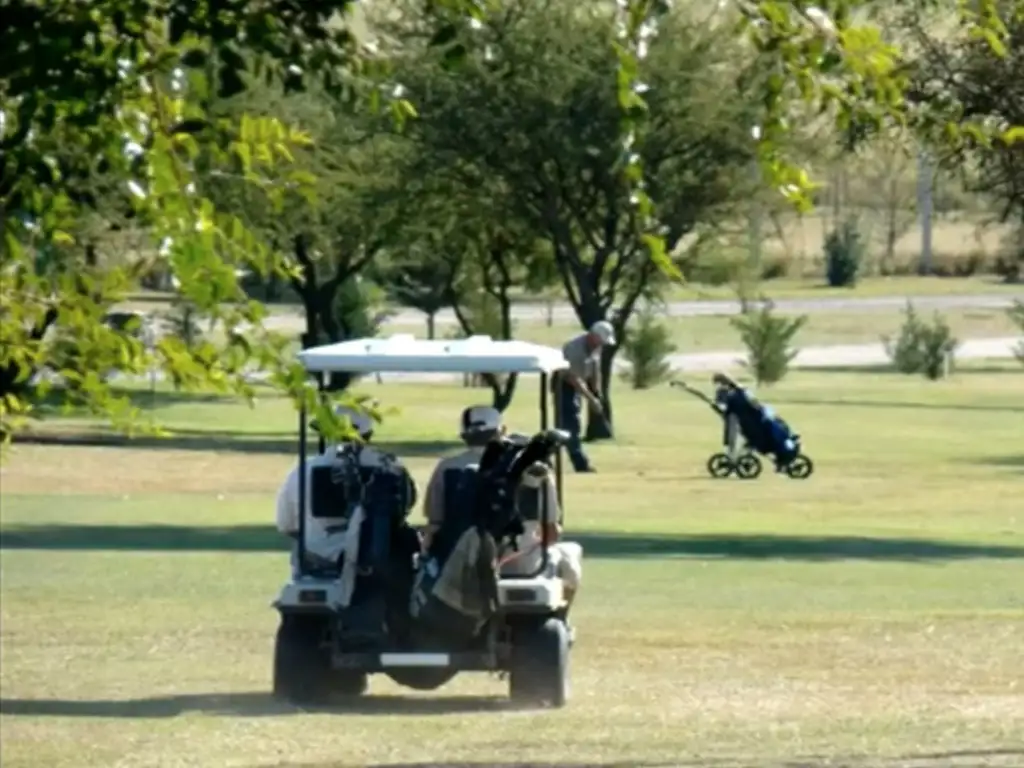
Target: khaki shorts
pixel 565 560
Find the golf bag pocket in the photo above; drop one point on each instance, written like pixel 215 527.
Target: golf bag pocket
pixel 455 598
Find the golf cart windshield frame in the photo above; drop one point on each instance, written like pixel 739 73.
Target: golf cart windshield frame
pixel 321 371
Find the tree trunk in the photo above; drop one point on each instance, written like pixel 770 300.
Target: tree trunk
pixel 602 428
pixel 502 390
pixel 431 321
pixel 890 231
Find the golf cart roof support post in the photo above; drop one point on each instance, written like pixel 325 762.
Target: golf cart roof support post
pixel 323 381
pixel 300 551
pixel 556 401
pixel 545 511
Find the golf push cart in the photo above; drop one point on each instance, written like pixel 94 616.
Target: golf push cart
pixel 763 433
pixel 338 625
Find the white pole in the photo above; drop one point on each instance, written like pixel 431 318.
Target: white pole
pixel 755 213
pixel 924 202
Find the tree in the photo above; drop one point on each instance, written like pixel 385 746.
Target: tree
pixel 981 78
pixel 127 84
pixel 481 250
pixel 415 280
pixel 534 109
pixel 360 197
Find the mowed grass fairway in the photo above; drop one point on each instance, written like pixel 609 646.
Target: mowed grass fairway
pixel 872 615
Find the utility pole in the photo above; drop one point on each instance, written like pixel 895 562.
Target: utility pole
pixel 755 210
pixel 924 206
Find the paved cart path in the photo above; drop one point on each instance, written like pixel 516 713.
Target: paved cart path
pixel 840 355
pixel 562 312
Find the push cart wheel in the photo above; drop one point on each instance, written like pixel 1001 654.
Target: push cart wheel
pixel 800 467
pixel 720 465
pixel 748 467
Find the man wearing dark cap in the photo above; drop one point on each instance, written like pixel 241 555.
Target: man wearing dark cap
pixel 478 425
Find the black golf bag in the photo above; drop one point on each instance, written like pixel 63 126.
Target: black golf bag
pixel 456 590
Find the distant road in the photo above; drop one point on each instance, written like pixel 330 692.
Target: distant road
pixel 562 312
pixel 839 355
pixel 852 355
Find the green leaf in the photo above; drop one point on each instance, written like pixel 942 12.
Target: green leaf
pixel 444 36
pixel 1013 135
pixel 230 82
pixel 194 58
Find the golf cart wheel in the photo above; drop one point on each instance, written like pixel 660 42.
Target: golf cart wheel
pixel 348 683
pixel 302 667
pixel 748 466
pixel 720 465
pixel 539 668
pixel 800 467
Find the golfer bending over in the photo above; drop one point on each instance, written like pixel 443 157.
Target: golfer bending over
pixel 480 425
pixel 583 353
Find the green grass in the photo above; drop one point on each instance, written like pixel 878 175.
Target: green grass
pixel 715 332
pixel 869 614
pixel 781 288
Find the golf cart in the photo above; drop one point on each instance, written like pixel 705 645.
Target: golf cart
pixel 332 636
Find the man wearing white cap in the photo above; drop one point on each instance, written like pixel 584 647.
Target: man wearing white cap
pixel 321 532
pixel 583 353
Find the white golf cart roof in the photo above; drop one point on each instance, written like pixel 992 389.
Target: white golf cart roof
pixel 405 353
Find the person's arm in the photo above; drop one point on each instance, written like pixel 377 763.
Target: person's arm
pixel 554 513
pixel 433 505
pixel 288 505
pixel 575 380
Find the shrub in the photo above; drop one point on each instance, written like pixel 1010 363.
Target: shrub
pixel 844 254
pixel 922 347
pixel 905 349
pixel 646 348
pixel 767 338
pixel 1016 313
pixel 775 267
pixel 961 264
pixel 353 310
pixel 714 267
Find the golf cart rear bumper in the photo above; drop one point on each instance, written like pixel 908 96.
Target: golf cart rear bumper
pixel 381 662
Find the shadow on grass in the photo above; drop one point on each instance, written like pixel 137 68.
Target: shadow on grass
pixel 774 547
pixel 144 538
pixel 264 538
pixel 1003 462
pixel 882 368
pixel 224 441
pixel 902 405
pixel 52 405
pixel 246 704
pixel 930 760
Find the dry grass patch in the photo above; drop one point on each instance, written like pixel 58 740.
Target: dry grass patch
pixel 867 617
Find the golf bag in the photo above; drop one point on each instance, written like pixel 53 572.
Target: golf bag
pixel 456 589
pixel 762 430
pixel 374 546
